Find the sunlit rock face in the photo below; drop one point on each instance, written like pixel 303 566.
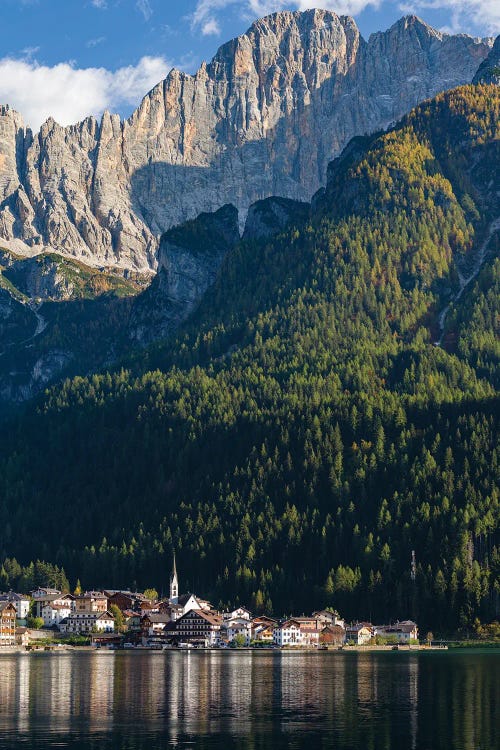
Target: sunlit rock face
pixel 263 118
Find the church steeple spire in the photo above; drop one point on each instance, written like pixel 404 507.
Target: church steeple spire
pixel 174 584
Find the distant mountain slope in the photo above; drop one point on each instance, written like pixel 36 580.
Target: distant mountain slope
pixel 263 118
pixel 57 316
pixel 489 70
pixel 304 433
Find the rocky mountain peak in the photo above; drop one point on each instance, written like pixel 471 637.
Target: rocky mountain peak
pixel 263 118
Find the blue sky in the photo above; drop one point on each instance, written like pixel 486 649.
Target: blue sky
pixel 69 58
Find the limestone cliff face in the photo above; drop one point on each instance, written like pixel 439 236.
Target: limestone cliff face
pixel 489 70
pixel 263 118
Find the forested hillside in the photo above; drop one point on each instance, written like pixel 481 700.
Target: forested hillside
pixel 304 432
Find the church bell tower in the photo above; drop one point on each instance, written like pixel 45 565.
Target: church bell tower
pixel 174 585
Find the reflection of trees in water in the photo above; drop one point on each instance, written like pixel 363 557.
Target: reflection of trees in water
pixel 251 700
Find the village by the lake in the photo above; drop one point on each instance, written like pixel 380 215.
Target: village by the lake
pixel 48 618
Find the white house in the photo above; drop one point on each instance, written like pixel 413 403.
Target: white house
pixel 297 631
pixel 53 614
pixel 239 626
pixel 287 634
pixel 81 623
pixel 403 632
pixel 240 613
pixel 61 599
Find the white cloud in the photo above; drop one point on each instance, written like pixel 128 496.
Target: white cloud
pixel 472 16
pixel 102 4
pixel 465 15
pixel 205 16
pixel 211 27
pixel 144 6
pixel 95 42
pixel 69 94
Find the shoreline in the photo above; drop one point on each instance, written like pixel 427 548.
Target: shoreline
pixel 64 650
pixel 341 650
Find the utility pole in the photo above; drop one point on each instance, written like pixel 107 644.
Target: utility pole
pixel 413 569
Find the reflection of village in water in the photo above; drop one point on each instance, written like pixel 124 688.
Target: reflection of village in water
pixel 353 697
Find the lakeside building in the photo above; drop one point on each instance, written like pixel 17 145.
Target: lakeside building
pixel 22 636
pixel 238 627
pixel 403 632
pixel 328 617
pixel 91 602
pixel 238 613
pixel 297 631
pixel 332 635
pixel 51 597
pixel 8 615
pixel 21 603
pixel 199 627
pixel 360 633
pixel 53 614
pixel 126 600
pixel 154 623
pixel 83 623
pixel 132 620
pixel 262 629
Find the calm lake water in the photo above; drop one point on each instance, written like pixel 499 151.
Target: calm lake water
pixel 252 701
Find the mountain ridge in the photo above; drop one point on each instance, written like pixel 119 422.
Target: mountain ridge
pixel 263 118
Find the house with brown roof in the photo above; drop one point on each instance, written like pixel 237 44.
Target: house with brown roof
pixel 264 620
pixel 132 620
pixel 262 633
pixel 154 623
pixel 199 627
pixel 332 635
pixel 402 632
pixel 360 633
pixel 328 617
pixel 91 602
pixel 22 636
pixel 126 600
